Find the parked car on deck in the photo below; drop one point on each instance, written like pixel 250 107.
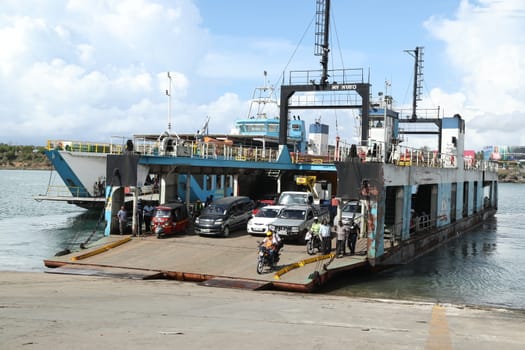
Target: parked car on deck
pixel 224 215
pixel 262 203
pixel 294 221
pixel 351 210
pixel 170 218
pixel 258 224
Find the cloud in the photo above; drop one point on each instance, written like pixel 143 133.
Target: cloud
pixel 485 46
pixel 88 70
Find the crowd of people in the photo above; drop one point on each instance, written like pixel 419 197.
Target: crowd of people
pixel 346 236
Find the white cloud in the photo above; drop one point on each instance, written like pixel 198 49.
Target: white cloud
pixel 92 69
pixel 485 45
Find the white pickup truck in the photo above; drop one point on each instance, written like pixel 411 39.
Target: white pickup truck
pixel 294 221
pixel 295 198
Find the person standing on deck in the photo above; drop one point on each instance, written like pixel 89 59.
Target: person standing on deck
pixel 353 231
pixel 326 235
pixel 341 239
pixel 334 204
pixel 140 217
pixel 148 215
pixel 122 220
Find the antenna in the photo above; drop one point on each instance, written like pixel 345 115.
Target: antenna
pixel 168 93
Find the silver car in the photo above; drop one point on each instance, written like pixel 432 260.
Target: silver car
pixel 351 210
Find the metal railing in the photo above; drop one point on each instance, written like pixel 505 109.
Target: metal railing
pixel 64 191
pixel 82 146
pixel 374 152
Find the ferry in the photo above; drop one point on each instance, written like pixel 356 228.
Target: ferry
pixel 412 199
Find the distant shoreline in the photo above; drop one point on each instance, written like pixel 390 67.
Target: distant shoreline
pixel 43 167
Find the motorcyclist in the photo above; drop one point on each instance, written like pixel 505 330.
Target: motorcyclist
pixel 315 228
pixel 272 243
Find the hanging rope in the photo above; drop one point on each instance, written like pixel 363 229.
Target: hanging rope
pixel 83 245
pixel 100 218
pixel 294 52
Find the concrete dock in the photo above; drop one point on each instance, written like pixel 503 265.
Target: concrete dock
pixel 214 260
pixel 52 311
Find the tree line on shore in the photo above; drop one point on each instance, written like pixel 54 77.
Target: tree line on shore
pixel 23 157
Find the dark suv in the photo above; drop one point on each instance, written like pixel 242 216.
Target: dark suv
pixel 224 215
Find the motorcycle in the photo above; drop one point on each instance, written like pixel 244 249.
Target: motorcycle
pixel 313 242
pixel 264 259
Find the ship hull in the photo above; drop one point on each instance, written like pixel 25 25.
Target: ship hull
pixel 409 211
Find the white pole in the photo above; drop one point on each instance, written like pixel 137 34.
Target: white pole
pixel 168 92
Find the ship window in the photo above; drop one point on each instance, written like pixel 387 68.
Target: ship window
pixel 296 127
pixel 273 128
pixel 255 128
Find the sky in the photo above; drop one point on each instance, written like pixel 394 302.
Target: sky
pixel 96 70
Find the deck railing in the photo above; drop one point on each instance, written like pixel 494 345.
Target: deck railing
pixel 399 155
pixel 64 191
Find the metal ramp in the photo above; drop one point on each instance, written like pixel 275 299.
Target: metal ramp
pixel 237 283
pixel 90 270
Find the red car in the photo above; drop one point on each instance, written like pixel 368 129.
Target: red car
pixel 262 203
pixel 170 218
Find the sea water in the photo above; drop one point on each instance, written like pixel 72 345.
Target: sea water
pixel 484 267
pixel 32 231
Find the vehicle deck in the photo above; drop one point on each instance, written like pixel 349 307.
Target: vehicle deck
pixel 226 262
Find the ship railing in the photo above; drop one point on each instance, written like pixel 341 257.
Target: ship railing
pixel 229 152
pixel 65 191
pixel 345 98
pixel 208 150
pixel 145 146
pixel 405 114
pixel 476 164
pixel 410 156
pixel 79 146
pixel 418 224
pixel 341 76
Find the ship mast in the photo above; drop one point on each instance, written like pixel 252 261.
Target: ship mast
pixel 322 30
pixel 342 85
pixel 418 77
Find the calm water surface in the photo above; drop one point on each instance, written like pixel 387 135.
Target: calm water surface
pixel 484 267
pixel 31 231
